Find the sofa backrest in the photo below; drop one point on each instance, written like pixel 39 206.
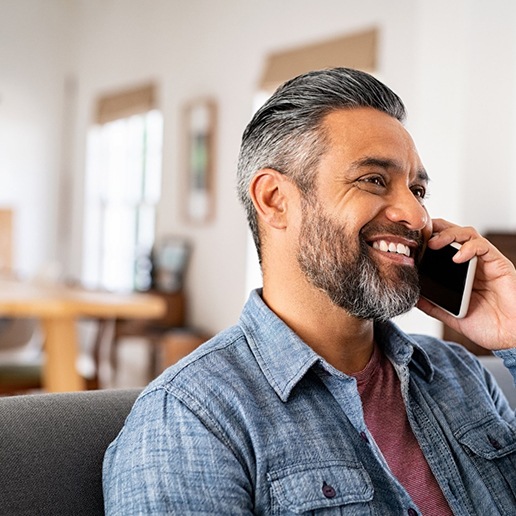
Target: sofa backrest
pixel 52 447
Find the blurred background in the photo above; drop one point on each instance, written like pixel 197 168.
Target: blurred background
pixel 120 124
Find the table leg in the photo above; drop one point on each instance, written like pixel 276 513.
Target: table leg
pixel 61 351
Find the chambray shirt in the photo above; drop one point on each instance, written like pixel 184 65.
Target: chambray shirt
pixel 254 422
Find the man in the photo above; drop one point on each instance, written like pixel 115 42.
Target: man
pixel 314 402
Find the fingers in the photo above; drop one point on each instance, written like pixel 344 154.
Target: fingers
pixel 445 233
pixel 473 244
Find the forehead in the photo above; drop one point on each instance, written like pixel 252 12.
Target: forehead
pixel 361 134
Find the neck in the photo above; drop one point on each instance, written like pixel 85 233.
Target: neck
pixel 342 340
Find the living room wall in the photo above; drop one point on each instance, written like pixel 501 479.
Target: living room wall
pixel 217 49
pixel 453 63
pixel 34 64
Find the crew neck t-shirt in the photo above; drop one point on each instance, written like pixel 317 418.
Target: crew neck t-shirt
pixel 386 417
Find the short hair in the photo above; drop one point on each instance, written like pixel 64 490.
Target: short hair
pixel 285 133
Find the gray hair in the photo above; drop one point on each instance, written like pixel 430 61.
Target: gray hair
pixel 285 133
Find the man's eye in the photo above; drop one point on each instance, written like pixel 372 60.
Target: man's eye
pixel 373 180
pixel 372 184
pixel 419 191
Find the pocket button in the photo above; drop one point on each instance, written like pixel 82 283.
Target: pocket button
pixel 328 490
pixel 494 443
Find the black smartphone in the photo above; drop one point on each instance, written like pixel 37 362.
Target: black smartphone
pixel 445 283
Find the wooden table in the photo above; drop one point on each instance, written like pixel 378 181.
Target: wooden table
pixel 59 308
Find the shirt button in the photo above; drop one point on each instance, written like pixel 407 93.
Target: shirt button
pixel 328 491
pixel 494 443
pixel 412 512
pixel 364 437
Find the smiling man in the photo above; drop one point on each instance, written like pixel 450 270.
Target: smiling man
pixel 315 402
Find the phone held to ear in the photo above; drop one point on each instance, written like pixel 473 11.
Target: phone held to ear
pixel 445 283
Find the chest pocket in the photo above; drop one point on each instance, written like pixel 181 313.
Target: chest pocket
pixel 324 488
pixel 489 438
pixel 491 444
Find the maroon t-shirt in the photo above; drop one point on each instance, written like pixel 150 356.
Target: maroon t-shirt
pixel 386 417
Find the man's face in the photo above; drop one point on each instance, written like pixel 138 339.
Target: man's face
pixel 364 226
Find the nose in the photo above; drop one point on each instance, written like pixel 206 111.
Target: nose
pixel 405 208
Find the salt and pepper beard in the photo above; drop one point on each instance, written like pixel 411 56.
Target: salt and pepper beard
pixel 332 262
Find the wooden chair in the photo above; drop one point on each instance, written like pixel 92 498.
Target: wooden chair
pixel 19 375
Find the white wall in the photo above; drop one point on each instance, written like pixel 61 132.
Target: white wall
pixel 200 48
pixel 452 61
pixel 463 115
pixel 33 67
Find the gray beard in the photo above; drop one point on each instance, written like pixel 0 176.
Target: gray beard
pixel 349 276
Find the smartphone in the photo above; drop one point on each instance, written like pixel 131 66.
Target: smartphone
pixel 445 283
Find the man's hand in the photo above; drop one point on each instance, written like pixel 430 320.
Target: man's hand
pixel 491 318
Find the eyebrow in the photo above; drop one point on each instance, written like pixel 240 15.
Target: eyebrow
pixel 387 163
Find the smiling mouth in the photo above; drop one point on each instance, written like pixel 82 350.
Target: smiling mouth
pixel 391 247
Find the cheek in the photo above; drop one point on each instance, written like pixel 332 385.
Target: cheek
pixel 370 212
pixel 428 229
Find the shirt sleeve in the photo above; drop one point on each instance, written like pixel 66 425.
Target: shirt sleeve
pixel 167 461
pixel 509 359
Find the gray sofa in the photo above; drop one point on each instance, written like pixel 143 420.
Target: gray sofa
pixel 52 447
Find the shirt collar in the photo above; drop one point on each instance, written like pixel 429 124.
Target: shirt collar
pixel 285 359
pixel 403 349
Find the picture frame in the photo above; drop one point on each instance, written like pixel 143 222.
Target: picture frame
pixel 199 118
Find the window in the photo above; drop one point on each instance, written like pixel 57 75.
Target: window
pixel 123 186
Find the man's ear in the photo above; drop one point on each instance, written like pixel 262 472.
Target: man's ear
pixel 270 191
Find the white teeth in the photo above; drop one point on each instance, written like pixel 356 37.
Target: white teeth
pixel 391 247
pixel 403 249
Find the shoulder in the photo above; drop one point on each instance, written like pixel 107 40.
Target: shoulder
pixel 446 354
pixel 209 376
pixel 452 364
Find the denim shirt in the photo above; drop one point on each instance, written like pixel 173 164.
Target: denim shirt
pixel 255 422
